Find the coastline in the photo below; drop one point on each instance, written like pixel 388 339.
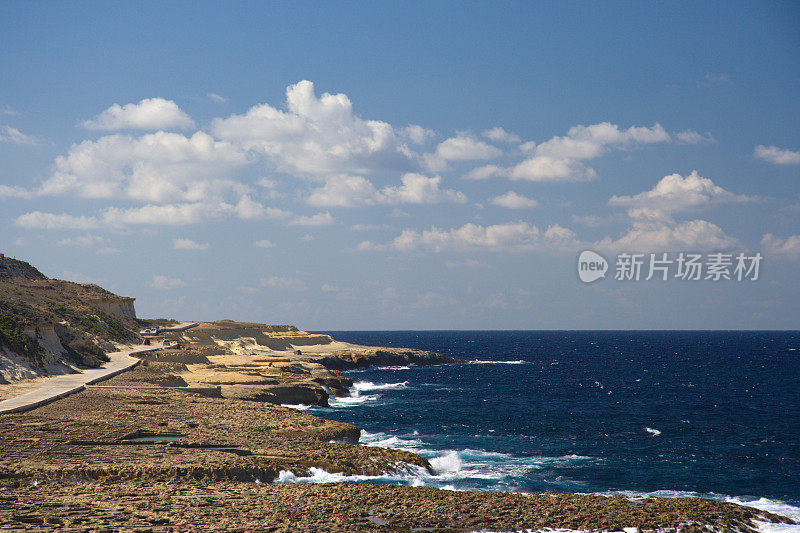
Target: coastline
pixel 115 455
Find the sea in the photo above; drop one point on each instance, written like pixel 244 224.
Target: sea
pixel 664 413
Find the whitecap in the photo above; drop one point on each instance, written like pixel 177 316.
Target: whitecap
pixel 299 406
pixel 449 462
pixel 368 385
pixel 653 432
pixel 764 504
pixel 483 362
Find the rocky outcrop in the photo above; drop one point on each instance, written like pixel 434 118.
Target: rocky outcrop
pixel 385 357
pixel 294 394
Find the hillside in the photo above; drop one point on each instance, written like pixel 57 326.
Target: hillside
pixel 52 326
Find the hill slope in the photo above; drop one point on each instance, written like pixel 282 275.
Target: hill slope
pixel 49 325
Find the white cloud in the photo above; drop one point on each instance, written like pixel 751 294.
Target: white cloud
pixel 344 191
pixel 83 241
pixel 189 244
pixel 157 167
pixel 164 215
pixel 320 219
pixel 168 215
pixel 515 236
pixel 349 191
pixel 280 282
pixel 10 191
pixel 789 246
pixel 264 243
pixel 462 147
pixel 249 209
pixel 39 220
pixel 417 134
pixel 777 156
pixel 148 114
pixel 316 135
pixel 659 236
pixel 498 134
pixel 676 193
pixel 692 137
pixel 165 283
pixel 8 110
pixel 419 189
pixel 512 200
pixel 14 136
pixel 217 98
pixel 560 158
pixel 486 172
pixel 546 168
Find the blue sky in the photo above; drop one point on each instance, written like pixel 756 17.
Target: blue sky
pixel 430 165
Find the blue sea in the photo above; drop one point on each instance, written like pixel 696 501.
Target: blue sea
pixel 670 413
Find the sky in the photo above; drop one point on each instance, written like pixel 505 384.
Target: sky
pixel 409 165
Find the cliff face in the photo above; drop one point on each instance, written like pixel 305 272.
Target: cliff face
pixel 122 306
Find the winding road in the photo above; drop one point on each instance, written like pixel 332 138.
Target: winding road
pixel 66 384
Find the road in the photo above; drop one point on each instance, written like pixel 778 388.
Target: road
pixel 66 384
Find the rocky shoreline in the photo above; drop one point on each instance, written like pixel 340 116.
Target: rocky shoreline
pixel 194 437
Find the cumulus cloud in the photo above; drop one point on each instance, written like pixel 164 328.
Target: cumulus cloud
pixel 512 200
pixel 189 244
pixel 148 114
pixel 157 167
pixel 789 246
pixel 344 191
pixel 777 156
pixel 561 158
pixel 516 236
pixel 547 168
pixel 486 172
pixel 652 227
pixel 419 189
pixel 264 243
pixel 677 193
pixel 165 283
pixel 462 147
pixel 498 134
pixel 350 191
pixel 417 134
pixel 316 135
pixel 661 236
pixel 217 98
pixel 281 282
pixel 14 136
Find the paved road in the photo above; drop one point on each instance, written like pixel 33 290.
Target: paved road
pixel 64 385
